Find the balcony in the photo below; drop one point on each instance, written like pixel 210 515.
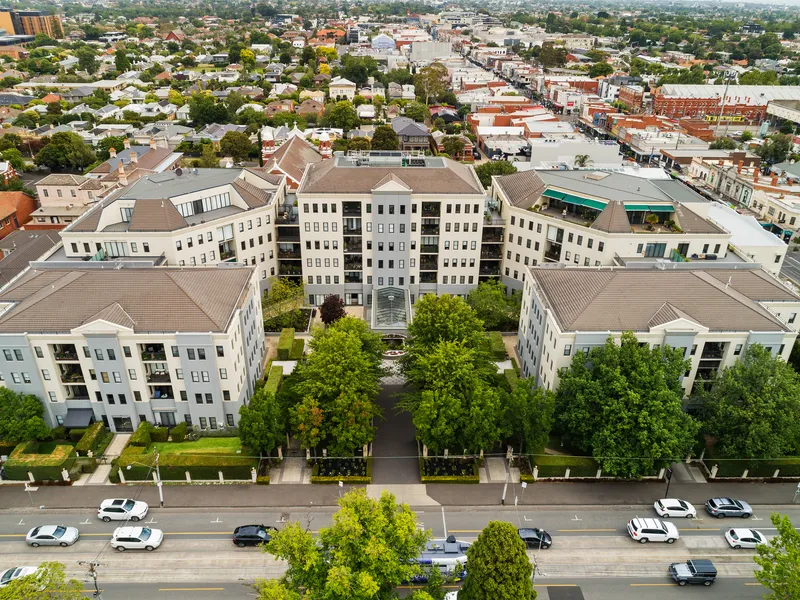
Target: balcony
pixel 431 209
pixel 227 251
pixel 65 353
pixel 289 254
pixel 429 248
pixel 352 277
pixel 490 269
pixel 430 229
pixel 352 263
pixel 492 235
pixel 287 215
pixel 427 277
pixel 351 209
pixel 350 230
pixel 352 245
pixel 289 269
pixel 153 352
pixel 713 350
pixel 72 375
pixel 288 234
pixel 158 376
pixel 553 255
pixel 161 393
pixel 491 253
pixel 428 263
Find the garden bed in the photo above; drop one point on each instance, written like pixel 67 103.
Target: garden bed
pixel 449 470
pixel 298 320
pixel 346 470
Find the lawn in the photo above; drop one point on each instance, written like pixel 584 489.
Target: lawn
pixel 209 445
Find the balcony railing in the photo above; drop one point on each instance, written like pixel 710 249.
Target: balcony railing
pixel 289 269
pixel 226 255
pixel 288 234
pixel 353 248
pixel 351 210
pixel 72 377
pixel 427 277
pixel 431 210
pixel 491 254
pixel 552 255
pixel 351 230
pixel 428 265
pixel 353 265
pixel 353 277
pixel 490 269
pixel 430 230
pixel 61 355
pixel 154 356
pixel 287 219
pixel 158 377
pixel 491 237
pixel 289 254
pixel 429 248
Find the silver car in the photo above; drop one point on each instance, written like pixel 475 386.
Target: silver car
pixel 52 535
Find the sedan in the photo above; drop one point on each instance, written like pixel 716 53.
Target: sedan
pixel 122 509
pixel 535 538
pixel 744 538
pixel 136 538
pixel 13 573
pixel 728 507
pixel 672 507
pixel 252 535
pixel 52 535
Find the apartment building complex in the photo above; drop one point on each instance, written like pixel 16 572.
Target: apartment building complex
pixel 31 22
pixel 124 345
pixel 190 217
pixel 401 224
pixel 714 315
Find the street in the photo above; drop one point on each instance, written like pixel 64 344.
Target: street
pixel 791 266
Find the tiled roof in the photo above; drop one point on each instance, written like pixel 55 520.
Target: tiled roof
pixel 253 196
pixel 26 246
pixel 62 179
pixel 292 157
pixel 521 189
pixel 613 219
pixel 155 215
pixel 155 299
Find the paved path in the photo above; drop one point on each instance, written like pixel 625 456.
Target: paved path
pixel 395 447
pixel 100 475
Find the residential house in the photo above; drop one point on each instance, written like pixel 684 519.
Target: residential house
pixel 135 162
pixel 165 134
pixel 15 211
pixel 465 155
pixel 214 132
pixel 316 95
pixel 411 135
pixel 366 111
pixel 341 89
pixel 279 106
pixel 310 107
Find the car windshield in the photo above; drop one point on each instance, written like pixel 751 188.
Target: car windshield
pixel 8 575
pixel 145 534
pixel 60 531
pixel 733 535
pixel 737 504
pixel 35 532
pixel 129 504
pixel 634 527
pixel 660 504
pixel 683 504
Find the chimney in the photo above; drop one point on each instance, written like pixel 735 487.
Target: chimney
pixel 774 180
pixel 112 152
pixel 755 175
pixel 134 157
pixel 789 181
pixel 127 144
pixel 153 144
pixel 121 176
pixel 739 167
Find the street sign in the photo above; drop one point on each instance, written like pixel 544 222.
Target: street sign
pixel 669 473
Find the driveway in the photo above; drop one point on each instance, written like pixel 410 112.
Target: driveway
pixel 395 448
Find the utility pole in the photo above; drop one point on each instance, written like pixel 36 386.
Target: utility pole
pixel 729 75
pixel 92 564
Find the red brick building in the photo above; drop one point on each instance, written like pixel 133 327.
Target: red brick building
pixel 15 211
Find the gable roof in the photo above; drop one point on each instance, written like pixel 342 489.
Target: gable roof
pixel 521 189
pixel 292 157
pixel 613 219
pixel 155 214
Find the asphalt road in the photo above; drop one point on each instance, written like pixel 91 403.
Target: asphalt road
pixel 791 266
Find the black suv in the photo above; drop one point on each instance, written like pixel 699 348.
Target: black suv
pixel 693 571
pixel 252 535
pixel 535 538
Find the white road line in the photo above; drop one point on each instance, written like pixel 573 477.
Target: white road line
pixel 217 521
pixel 86 522
pixel 575 518
pixel 444 523
pixel 151 521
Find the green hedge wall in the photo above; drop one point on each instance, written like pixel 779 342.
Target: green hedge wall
pixel 474 478
pixel 174 466
pixel 285 343
pixel 178 433
pixel 496 345
pixel 6 448
pixel 159 434
pixel 297 349
pixel 75 435
pixel 43 466
pixel 511 378
pixel 274 379
pixel 556 466
pixel 94 434
pixel 142 435
pixel 789 467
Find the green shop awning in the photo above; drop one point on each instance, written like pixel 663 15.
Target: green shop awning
pixel 637 207
pixel 596 204
pixel 570 199
pixel 553 194
pixel 662 208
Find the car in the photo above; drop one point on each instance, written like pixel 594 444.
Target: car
pixel 744 538
pixel 728 507
pixel 52 535
pixel 13 573
pixel 451 595
pixel 699 571
pixel 535 538
pixel 652 530
pixel 136 538
pixel 122 509
pixel 672 507
pixel 252 535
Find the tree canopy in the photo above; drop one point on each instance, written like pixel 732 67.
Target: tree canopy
pixel 779 560
pixel 261 425
pixel 495 167
pixel 22 417
pixel 385 138
pixel 341 115
pixel 497 310
pixel 332 309
pixel 49 581
pixel 66 150
pixel 236 144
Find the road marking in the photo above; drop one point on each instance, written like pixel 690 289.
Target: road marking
pixel 21 522
pixel 444 523
pixel 755 518
pixel 652 584
pixel 527 520
pixel 555 585
pixel 151 521
pixel 752 583
pixel 190 589
pixel 86 522
pixel 576 519
pixel 217 521
pixel 565 530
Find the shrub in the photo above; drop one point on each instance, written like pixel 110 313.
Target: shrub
pixel 113 475
pixel 86 464
pixel 496 346
pixel 178 433
pixel 262 480
pixel 789 467
pixel 274 379
pixel 57 433
pixel 91 439
pixel 76 434
pixel 141 437
pixel 464 478
pixel 103 443
pixel 512 378
pixel 297 349
pixel 285 343
pixel 43 466
pixel 556 466
pixel 317 478
pixel 6 448
pixel 200 466
pixel 159 434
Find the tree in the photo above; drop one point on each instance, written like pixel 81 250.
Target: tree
pixel 306 419
pixel 498 544
pixel 247 58
pixel 281 302
pixel 87 59
pixel 359 143
pixel 341 115
pixel 530 415
pixel 236 145
pixel 332 309
pixel 583 160
pixel 431 81
pixel 444 318
pixel 385 138
pixel 600 69
pixel 208 157
pixel 723 143
pixel 203 110
pixel 66 150
pixel 22 417
pixel 351 423
pixel 14 158
pixel 623 403
pixel 495 167
pixel 776 148
pixel 751 408
pixel 365 554
pixel 778 560
pixel 453 145
pixel 260 425
pixel 416 111
pixel 49 581
pixel 492 305
pixel 121 60
pixel 104 146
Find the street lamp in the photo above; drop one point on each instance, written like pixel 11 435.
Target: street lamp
pixel 158 476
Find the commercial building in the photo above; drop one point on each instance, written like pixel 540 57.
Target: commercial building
pixel 714 315
pixel 746 103
pixel 31 22
pixel 126 345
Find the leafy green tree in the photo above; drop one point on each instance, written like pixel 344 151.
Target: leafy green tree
pixel 385 138
pixel 497 310
pixel 87 59
pixel 359 143
pixel 751 408
pixel 49 581
pixel 779 560
pixel 529 416
pixel 104 146
pixel 351 423
pixel 248 58
pixel 208 158
pixel 600 68
pixel 203 110
pixel 723 143
pixel 307 418
pixel 22 417
pixel 281 304
pixel 14 157
pixel 341 115
pixel 416 111
pixel 66 150
pixel 495 167
pixel 453 145
pixel 498 544
pixel 776 148
pixel 444 318
pixel 236 145
pixel 364 555
pixel 623 403
pixel 260 424
pixel 431 82
pixel 121 60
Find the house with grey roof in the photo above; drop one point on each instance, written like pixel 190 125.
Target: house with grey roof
pixel 412 135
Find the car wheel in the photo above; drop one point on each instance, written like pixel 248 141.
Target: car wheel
pixel 240 544
pixel 149 548
pixel 671 541
pixel 643 541
pixel 35 545
pixel 707 582
pixel 64 544
pixel 690 516
pixel 134 519
pixel 681 583
pixel 721 516
pixel 121 548
pixel 737 546
pixel 746 516
pixel 107 519
pixel 545 546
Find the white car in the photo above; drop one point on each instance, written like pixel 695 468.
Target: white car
pixel 744 538
pixel 13 573
pixel 672 507
pixel 122 509
pixel 451 596
pixel 136 538
pixel 652 530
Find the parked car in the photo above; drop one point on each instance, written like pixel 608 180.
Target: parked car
pixel 672 507
pixel 252 535
pixel 728 507
pixel 700 571
pixel 652 530
pixel 136 538
pixel 535 538
pixel 744 538
pixel 52 535
pixel 13 573
pixel 122 509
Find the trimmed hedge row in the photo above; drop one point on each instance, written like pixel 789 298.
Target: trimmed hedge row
pixel 75 435
pixel 474 478
pixel 90 440
pixel 298 347
pixel 6 448
pixel 159 434
pixel 142 435
pixel 274 379
pixel 174 466
pixel 178 433
pixel 556 466
pixel 315 478
pixel 285 343
pixel 496 345
pixel 789 467
pixel 511 378
pixel 43 466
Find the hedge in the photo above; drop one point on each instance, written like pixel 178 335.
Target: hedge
pixel 474 478
pixel 496 346
pixel 6 448
pixel 174 466
pixel 274 379
pixel 511 377
pixel 298 347
pixel 556 466
pixel 76 434
pixel 343 478
pixel 57 433
pixel 789 467
pixel 141 437
pixel 90 440
pixel 86 464
pixel 43 466
pixel 159 434
pixel 178 433
pixel 285 343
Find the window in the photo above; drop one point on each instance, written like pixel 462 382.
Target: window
pixel 92 375
pixel 8 355
pixel 212 421
pixel 190 353
pixel 53 398
pixel 737 350
pixel 132 374
pixel 600 246
pixel 178 245
pixel 45 374
pixel 205 376
pixel 15 378
pixel 175 352
pixel 137 396
pixel 195 376
pixel 104 377
pixel 39 353
pixel 209 399
pixel 123 399
pixel 98 354
pixel 117 377
pixel 203 423
pixel 792 317
pixel 694 350
pixel 184 396
pixel 223 373
pixel 126 350
pixel 179 374
pixel 110 398
pixel 198 398
pixel 112 355
pixel 201 354
pixel 229 420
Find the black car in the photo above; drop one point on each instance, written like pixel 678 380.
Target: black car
pixel 252 535
pixel 699 571
pixel 535 538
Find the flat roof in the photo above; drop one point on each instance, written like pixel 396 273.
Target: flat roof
pixel 745 230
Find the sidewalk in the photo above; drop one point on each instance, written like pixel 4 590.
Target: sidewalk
pixel 489 494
